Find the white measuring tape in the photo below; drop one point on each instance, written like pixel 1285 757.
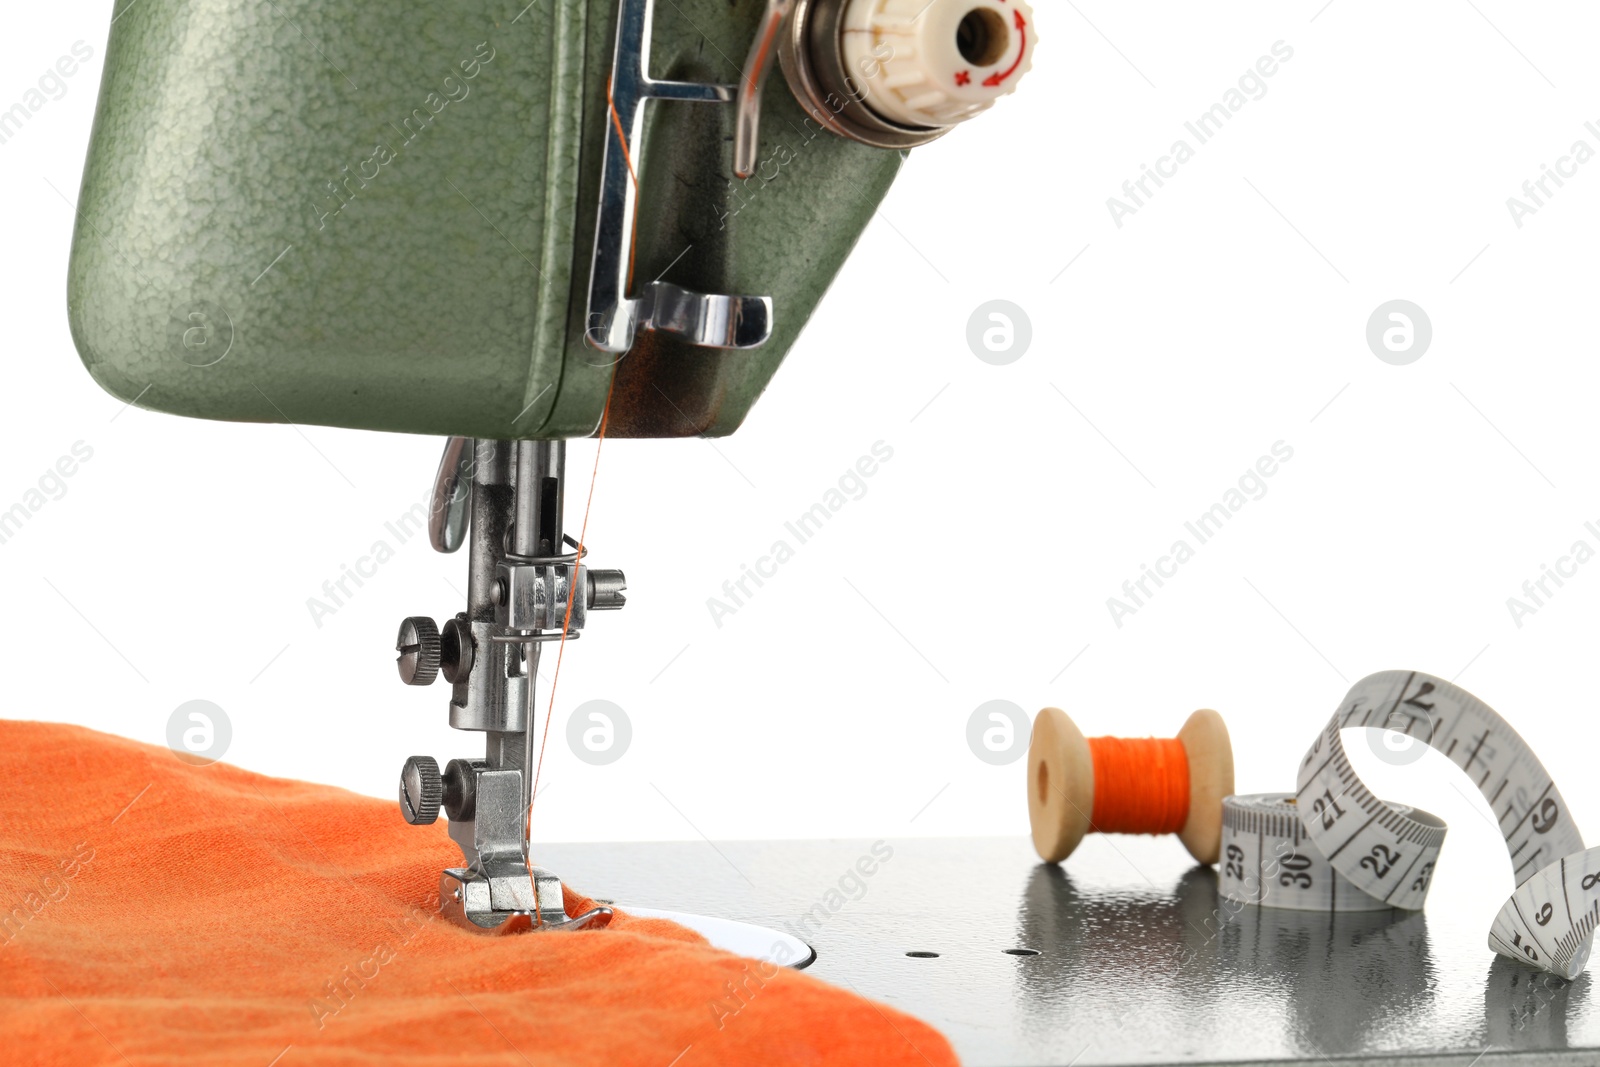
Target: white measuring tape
pixel 1334 846
pixel 1268 858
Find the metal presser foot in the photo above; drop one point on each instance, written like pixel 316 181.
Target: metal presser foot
pixel 523 589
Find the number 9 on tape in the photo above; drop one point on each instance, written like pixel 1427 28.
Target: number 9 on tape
pixel 1386 851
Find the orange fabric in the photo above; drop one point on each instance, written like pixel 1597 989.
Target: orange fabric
pixel 159 913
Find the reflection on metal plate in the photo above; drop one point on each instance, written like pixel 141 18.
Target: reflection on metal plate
pixel 1127 954
pixel 741 939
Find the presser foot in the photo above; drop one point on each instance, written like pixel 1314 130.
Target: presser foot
pixel 471 898
pixel 504 499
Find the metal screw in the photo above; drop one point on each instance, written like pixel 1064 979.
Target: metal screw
pixel 418 645
pixel 456 650
pixel 461 788
pixel 606 589
pixel 421 789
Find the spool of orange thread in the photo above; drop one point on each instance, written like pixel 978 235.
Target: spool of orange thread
pixel 1127 785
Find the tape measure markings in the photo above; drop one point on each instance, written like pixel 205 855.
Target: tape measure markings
pixel 1545 848
pixel 1384 850
pixel 1263 832
pixel 1538 896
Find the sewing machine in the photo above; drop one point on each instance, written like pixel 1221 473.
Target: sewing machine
pixel 507 227
pixel 580 253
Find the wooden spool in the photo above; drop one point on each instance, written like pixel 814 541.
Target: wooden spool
pixel 1061 784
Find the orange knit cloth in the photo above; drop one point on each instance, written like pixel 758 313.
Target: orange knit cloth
pixel 158 913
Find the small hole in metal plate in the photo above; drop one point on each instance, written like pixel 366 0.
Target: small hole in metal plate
pixel 923 955
pixel 1020 951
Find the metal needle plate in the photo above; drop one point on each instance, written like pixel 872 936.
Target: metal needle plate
pixel 1126 955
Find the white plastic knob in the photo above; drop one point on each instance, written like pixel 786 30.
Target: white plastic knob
pixel 936 62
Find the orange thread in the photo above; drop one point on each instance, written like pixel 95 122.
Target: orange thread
pixel 1141 785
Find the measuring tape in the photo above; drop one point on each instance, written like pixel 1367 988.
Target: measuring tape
pixel 1268 858
pixel 1335 846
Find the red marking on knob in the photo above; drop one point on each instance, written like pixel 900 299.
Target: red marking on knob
pixel 1022 36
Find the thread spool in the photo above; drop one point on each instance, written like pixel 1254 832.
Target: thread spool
pixel 1148 785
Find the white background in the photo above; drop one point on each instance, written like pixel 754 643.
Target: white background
pixel 1228 314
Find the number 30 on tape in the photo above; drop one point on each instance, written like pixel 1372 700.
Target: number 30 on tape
pixel 1385 851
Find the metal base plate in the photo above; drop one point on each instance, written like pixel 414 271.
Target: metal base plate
pixel 1124 955
pixel 742 939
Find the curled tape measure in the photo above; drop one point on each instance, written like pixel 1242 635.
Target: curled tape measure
pixel 1371 853
pixel 1268 858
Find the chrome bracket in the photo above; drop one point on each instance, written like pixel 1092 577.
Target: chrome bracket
pixel 709 320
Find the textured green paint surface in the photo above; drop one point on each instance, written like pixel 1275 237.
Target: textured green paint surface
pixel 377 240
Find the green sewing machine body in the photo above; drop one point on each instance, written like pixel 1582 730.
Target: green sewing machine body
pixel 507 222
pixel 381 216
